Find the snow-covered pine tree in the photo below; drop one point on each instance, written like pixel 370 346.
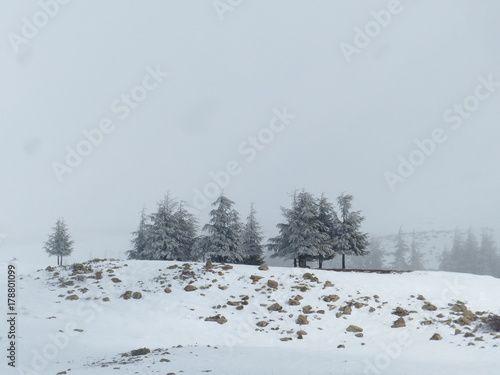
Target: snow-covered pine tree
pixel 222 244
pixel 301 237
pixel 163 243
pixel 401 249
pixel 140 240
pixel 416 257
pixel 374 260
pixel 251 240
pixel 187 227
pixel 59 242
pixel 327 218
pixel 349 240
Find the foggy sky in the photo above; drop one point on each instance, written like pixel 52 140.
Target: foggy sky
pixel 228 76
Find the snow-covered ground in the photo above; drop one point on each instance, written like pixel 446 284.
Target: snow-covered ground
pixel 94 335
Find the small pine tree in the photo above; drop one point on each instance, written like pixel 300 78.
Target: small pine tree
pixel 251 241
pixel 349 240
pixel 416 257
pixel 401 249
pixel 457 253
pixel 140 241
pixel 59 242
pixel 187 227
pixel 222 244
pixel 446 260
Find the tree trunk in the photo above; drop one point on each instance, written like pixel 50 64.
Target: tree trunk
pixel 295 262
pixel 343 261
pixel 61 261
pixel 320 262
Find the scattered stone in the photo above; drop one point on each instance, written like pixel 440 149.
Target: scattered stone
pixel 372 309
pixel 469 334
pixel 255 278
pixel 421 297
pixel 458 331
pixel 399 323
pixel 98 275
pixel 307 309
pixel 463 321
pixel 399 311
pixel 50 269
pixel 302 319
pixel 359 305
pixel 142 351
pixel 310 276
pixel 426 322
pixel 190 288
pixel 359 335
pixel 436 336
pixel 353 328
pixel 106 299
pixel 137 295
pixel 286 339
pixel 164 360
pixel 262 323
pixel 331 298
pixel 346 310
pixel 275 307
pixel 126 295
pixel 328 284
pixel 341 346
pixel 116 280
pixel 78 330
pixel 429 306
pixel 72 297
pixel 227 267
pixel 263 268
pixel 209 264
pixel 222 287
pixel 272 284
pixel 167 290
pixel 217 318
pixel 293 302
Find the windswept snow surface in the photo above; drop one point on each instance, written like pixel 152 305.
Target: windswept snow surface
pixel 89 335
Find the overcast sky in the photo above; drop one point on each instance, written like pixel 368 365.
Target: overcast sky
pixel 286 94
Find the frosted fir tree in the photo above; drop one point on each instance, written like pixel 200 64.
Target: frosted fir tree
pixel 251 240
pixel 141 238
pixel 349 240
pixel 416 257
pixel 222 244
pixel 59 243
pixel 187 227
pixel 327 217
pixel 400 253
pixel 374 260
pixel 301 237
pixel 163 243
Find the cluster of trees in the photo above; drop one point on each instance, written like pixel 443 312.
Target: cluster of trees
pixel 313 230
pixel 407 256
pixel 469 255
pixel 171 234
pixel 59 243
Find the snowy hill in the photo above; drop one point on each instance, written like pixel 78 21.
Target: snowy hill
pixel 188 319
